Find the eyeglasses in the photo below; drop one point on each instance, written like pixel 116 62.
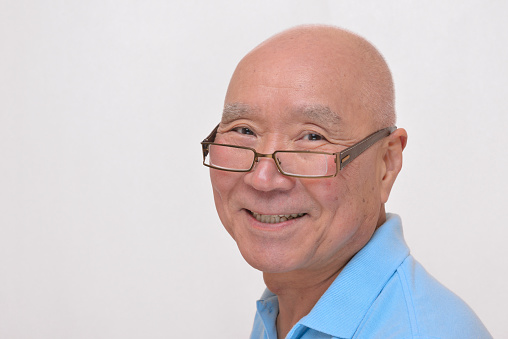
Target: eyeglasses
pixel 300 164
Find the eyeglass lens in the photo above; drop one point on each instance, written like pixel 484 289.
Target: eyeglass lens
pixel 308 164
pixel 227 157
pixel 292 163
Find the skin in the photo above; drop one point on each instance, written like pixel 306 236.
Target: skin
pixel 314 88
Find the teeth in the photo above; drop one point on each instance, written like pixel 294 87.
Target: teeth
pixel 272 219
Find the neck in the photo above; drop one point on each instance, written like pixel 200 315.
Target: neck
pixel 298 291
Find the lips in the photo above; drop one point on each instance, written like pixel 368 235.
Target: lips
pixel 274 219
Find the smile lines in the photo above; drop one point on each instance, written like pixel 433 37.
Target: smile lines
pixel 273 219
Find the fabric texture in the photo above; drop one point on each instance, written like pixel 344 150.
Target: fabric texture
pixel 383 292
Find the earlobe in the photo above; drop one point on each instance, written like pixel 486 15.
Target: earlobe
pixel 392 161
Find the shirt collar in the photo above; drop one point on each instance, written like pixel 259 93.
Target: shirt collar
pixel 343 306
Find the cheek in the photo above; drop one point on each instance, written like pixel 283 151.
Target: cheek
pixel 348 192
pixel 365 191
pixel 223 181
pixel 330 194
pixel 223 184
pixel 333 190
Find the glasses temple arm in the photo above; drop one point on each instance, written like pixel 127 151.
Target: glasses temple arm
pixel 350 153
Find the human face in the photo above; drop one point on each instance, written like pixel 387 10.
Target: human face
pixel 293 105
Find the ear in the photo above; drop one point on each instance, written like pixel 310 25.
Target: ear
pixel 392 161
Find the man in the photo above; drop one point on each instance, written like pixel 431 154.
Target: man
pixel 303 162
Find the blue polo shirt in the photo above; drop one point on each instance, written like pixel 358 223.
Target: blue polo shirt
pixel 383 292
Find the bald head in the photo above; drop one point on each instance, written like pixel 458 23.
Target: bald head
pixel 344 64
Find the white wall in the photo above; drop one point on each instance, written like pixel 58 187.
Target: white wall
pixel 107 222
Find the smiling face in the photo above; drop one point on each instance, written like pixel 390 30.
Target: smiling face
pixel 290 95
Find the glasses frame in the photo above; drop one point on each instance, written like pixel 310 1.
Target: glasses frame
pixel 342 158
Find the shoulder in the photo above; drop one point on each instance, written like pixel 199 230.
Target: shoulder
pixel 415 305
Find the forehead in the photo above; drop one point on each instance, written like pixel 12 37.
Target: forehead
pixel 287 87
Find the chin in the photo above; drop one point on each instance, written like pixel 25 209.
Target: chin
pixel 269 261
pixel 268 267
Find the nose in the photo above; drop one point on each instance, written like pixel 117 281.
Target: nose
pixel 266 177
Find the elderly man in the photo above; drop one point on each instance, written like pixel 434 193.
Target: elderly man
pixel 302 164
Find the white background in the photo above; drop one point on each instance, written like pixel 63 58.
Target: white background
pixel 107 222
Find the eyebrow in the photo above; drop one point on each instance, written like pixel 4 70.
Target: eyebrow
pixel 236 111
pixel 319 114
pixel 323 115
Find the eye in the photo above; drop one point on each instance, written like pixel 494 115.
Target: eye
pixel 243 130
pixel 313 137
